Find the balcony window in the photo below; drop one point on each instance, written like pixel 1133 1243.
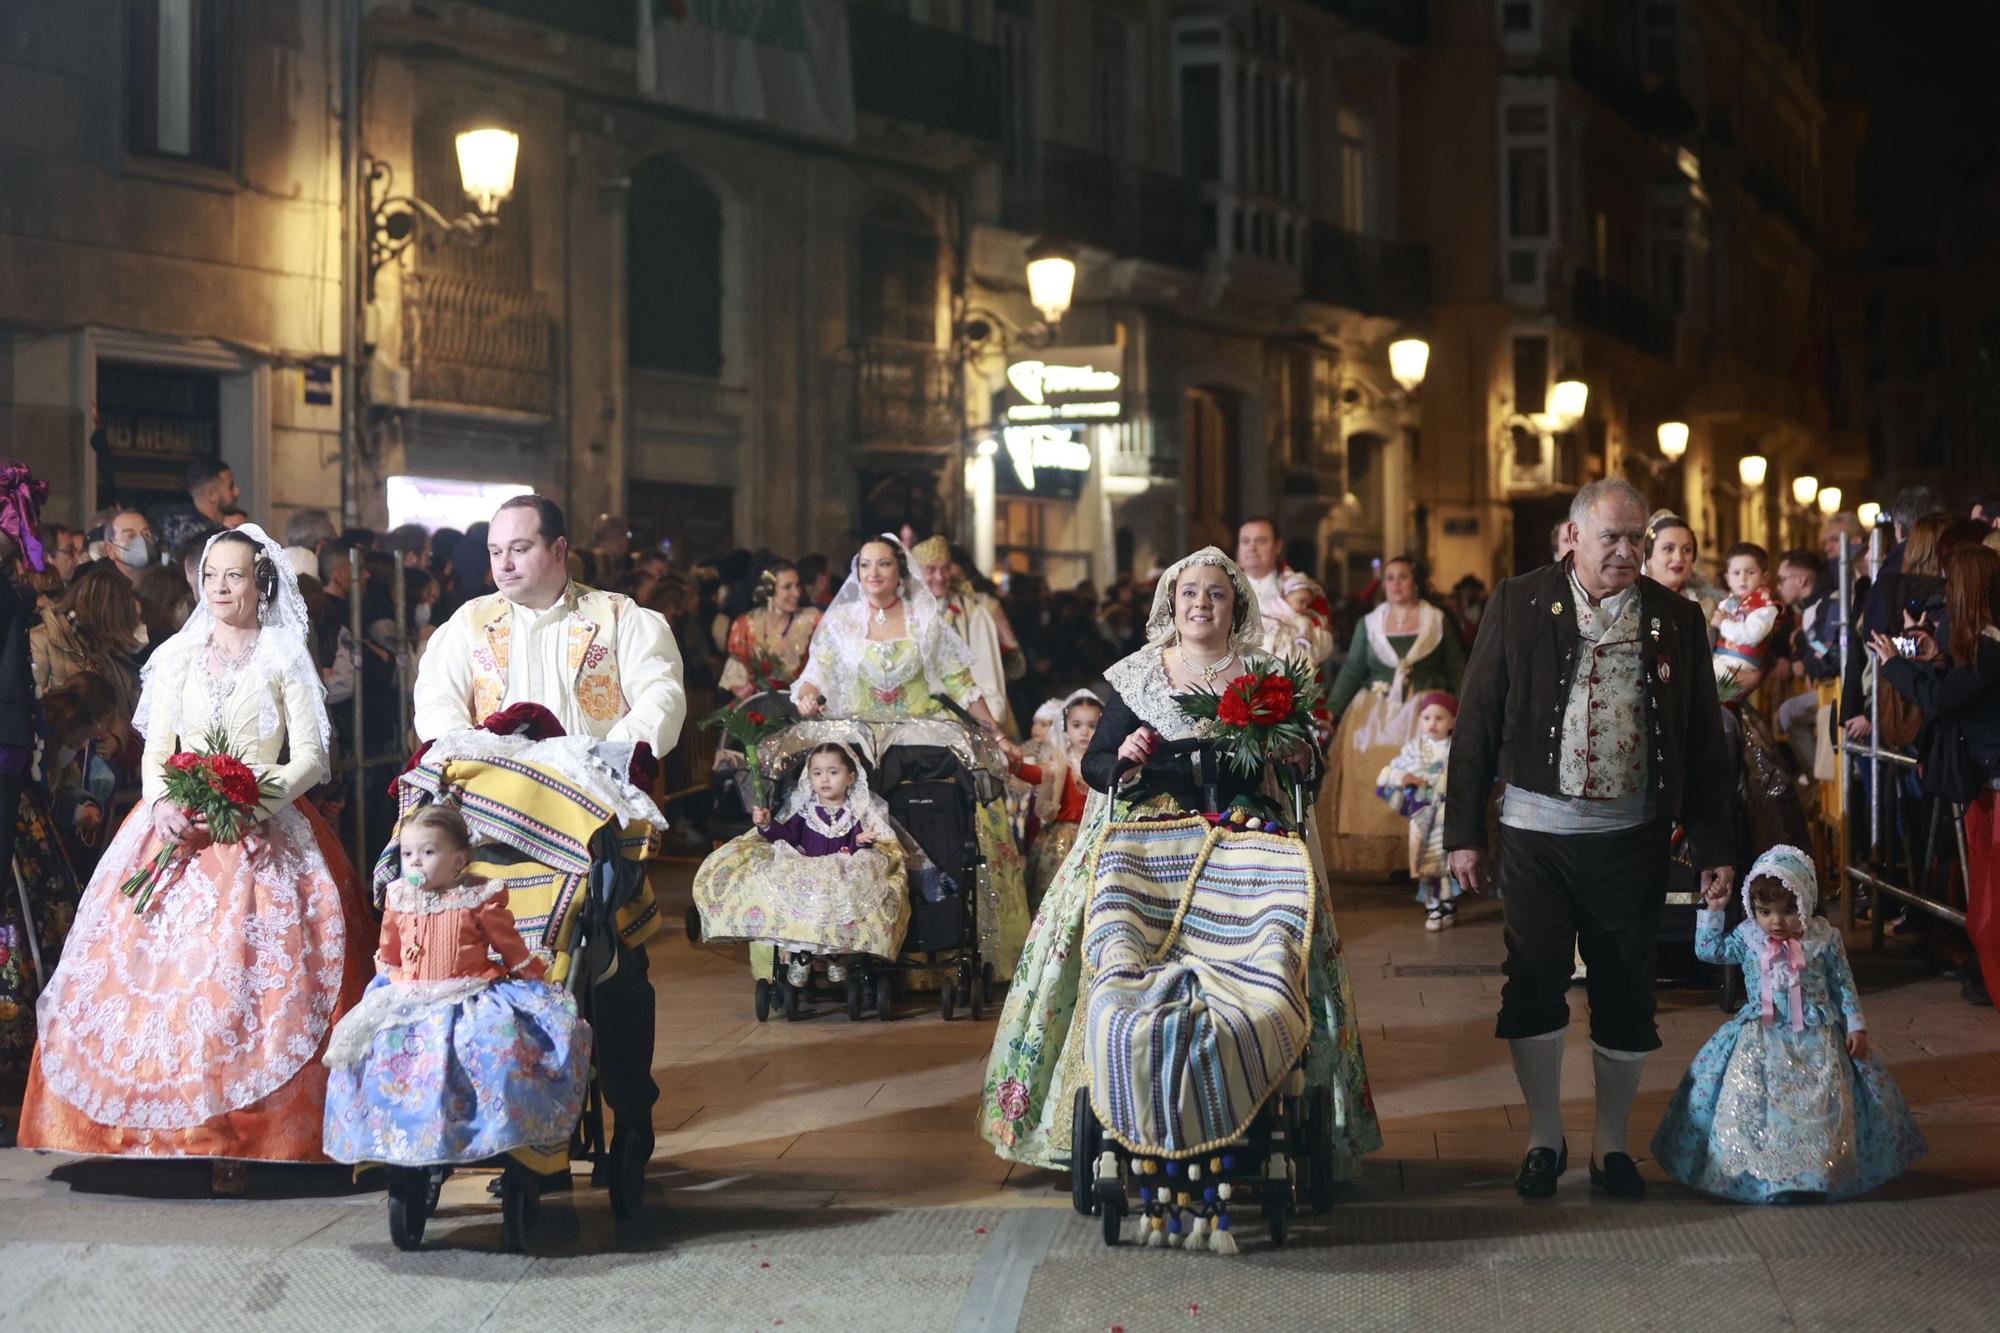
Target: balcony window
pixel 178 80
pixel 1353 173
pixel 899 275
pixel 674 271
pixel 1110 83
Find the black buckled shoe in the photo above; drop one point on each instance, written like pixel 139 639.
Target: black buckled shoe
pixel 1540 1170
pixel 1618 1177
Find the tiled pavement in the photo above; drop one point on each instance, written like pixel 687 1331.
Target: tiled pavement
pixel 827 1174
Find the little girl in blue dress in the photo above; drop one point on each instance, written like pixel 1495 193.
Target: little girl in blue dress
pixel 1785 1102
pixel 459 1051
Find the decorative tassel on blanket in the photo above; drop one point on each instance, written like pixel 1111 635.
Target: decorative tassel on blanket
pixel 1220 1241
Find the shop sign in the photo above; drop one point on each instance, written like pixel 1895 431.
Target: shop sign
pixel 1049 461
pixel 1065 384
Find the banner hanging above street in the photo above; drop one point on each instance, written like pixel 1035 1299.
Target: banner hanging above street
pixel 784 63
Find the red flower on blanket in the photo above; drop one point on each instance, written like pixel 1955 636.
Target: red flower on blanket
pixel 213 786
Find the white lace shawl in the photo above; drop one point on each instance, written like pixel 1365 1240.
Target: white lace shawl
pixel 1245 635
pixel 281 651
pixel 870 811
pixel 1141 681
pixel 838 666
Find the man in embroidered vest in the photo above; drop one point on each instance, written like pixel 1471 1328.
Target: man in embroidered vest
pixel 606 667
pixel 1589 696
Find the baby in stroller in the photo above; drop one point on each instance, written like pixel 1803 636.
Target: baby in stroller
pixel 452 1058
pixel 823 880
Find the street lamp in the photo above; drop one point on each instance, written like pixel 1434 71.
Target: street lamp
pixel 487 157
pixel 1568 400
pixel 1829 500
pixel 1409 358
pixel 1051 279
pixel 1750 469
pixel 1805 489
pixel 1870 514
pixel 1673 437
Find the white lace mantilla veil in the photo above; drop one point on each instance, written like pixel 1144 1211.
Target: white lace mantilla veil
pixel 282 650
pixel 1141 678
pixel 870 810
pixel 835 663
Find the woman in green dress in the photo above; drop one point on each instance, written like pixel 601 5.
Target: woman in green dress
pixel 1401 650
pixel 883 652
pixel 1203 631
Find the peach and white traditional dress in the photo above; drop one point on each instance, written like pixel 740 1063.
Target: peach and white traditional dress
pixel 194 1029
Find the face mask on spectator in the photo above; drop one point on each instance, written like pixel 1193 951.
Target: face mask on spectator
pixel 138 553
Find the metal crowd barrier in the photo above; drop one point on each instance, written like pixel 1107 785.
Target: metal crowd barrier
pixel 1883 795
pixel 401 645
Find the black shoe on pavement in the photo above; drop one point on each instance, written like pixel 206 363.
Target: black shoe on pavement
pixel 1619 1177
pixel 1540 1170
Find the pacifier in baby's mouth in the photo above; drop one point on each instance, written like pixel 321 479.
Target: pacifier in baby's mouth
pixel 415 879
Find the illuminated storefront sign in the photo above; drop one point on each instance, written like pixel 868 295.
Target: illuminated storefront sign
pixel 1067 384
pixel 1049 461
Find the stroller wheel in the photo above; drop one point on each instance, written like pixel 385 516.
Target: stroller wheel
pixel 975 1000
pixel 407 1213
pixel 1086 1141
pixel 1278 1213
pixel 763 1000
pixel 1112 1211
pixel 857 1000
pixel 948 999
pixel 693 924
pixel 434 1179
pixel 792 998
pixel 520 1205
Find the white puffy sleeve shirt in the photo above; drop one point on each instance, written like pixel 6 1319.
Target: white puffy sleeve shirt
pixel 649 674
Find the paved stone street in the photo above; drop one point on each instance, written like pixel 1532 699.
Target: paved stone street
pixel 826 1175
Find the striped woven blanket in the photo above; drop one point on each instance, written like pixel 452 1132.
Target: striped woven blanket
pixel 1195 948
pixel 531 829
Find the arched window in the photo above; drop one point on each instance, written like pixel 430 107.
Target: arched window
pixel 898 291
pixel 673 268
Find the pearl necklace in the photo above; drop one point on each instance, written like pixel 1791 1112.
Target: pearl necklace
pixel 1211 671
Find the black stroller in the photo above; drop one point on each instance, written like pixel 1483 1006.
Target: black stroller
pixel 1284 1149
pixel 933 774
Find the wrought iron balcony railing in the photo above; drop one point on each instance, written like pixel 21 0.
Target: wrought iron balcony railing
pixel 914 72
pixel 1367 273
pixel 1601 304
pixel 1088 198
pixel 897 396
pixel 477 344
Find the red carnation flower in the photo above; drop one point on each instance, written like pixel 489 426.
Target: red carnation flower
pixel 234 779
pixel 1272 702
pixel 185 761
pixel 757 719
pixel 1232 708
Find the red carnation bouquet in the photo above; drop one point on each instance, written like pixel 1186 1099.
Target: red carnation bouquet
pixel 213 785
pixel 1258 716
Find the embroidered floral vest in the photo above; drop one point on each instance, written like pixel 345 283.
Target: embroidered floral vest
pixel 592 658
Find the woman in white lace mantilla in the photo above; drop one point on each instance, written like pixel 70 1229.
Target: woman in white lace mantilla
pixel 193 1029
pixel 883 652
pixel 1204 630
